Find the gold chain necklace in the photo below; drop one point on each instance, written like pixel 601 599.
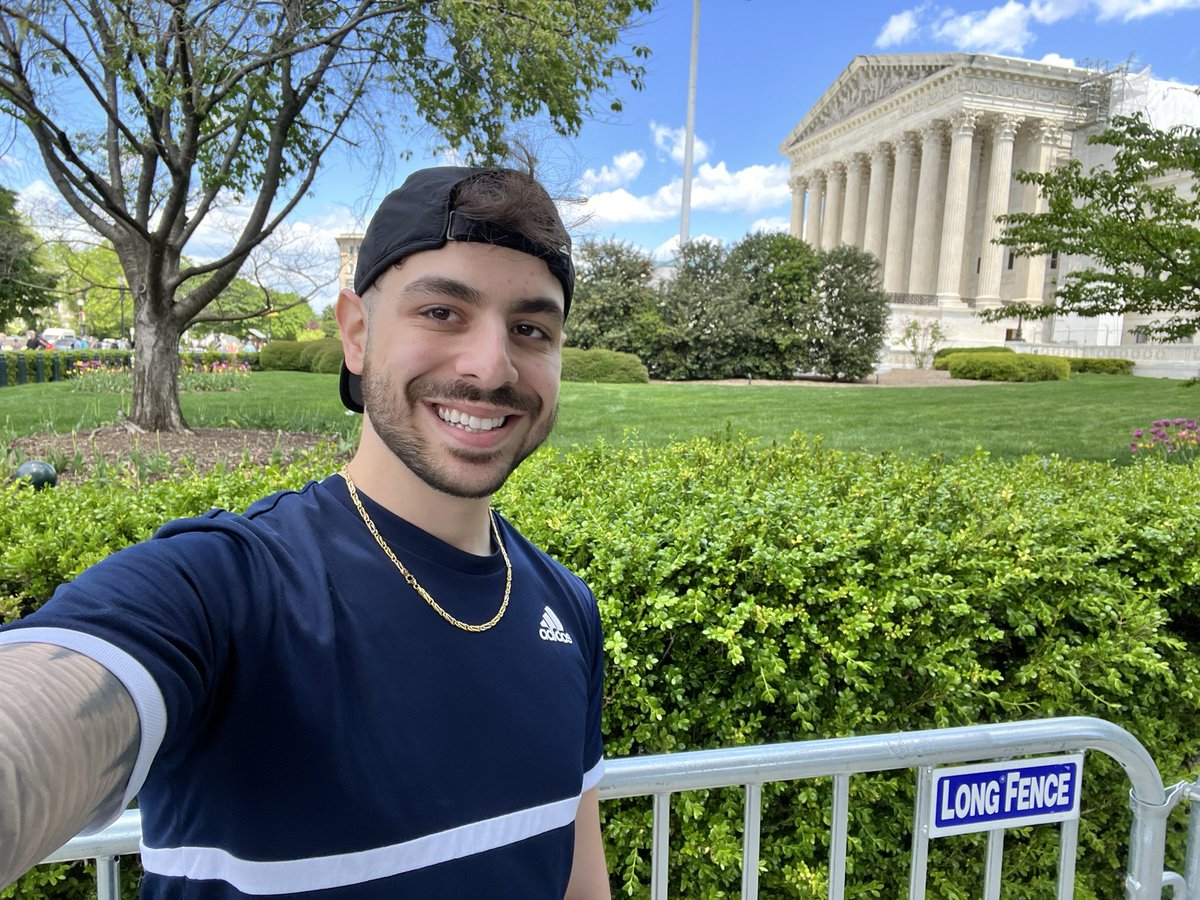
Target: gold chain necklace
pixel 408 576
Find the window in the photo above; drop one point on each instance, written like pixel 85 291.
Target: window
pixel 1054 260
pixel 1012 257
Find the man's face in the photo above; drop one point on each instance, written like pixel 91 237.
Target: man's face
pixel 462 363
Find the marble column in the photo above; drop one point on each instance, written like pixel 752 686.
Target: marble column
pixel 831 221
pixel 855 169
pixel 812 215
pixel 797 183
pixel 922 277
pixel 873 234
pixel 1047 140
pixel 954 219
pixel 991 255
pixel 899 235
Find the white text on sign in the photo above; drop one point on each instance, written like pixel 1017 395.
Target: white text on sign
pixel 1005 794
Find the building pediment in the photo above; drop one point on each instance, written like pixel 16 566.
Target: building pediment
pixel 867 81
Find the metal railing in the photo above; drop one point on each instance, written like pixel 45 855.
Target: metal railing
pixel 839 758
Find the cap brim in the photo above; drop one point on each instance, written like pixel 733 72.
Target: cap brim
pixel 351 389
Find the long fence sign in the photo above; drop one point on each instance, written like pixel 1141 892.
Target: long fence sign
pixel 994 795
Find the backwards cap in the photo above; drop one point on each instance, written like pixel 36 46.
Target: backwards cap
pixel 418 216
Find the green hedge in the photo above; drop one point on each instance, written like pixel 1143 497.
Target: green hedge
pixel 303 356
pixel 1008 367
pixel 755 594
pixel 941 357
pixel 602 366
pixel 1101 366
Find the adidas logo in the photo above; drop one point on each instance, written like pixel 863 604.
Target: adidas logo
pixel 552 628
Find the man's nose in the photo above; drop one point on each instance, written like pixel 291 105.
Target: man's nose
pixel 487 357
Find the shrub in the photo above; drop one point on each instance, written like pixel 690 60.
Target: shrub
pixel 329 360
pixel 602 366
pixel 754 595
pixel 1101 366
pixel 845 326
pixel 940 358
pixel 757 594
pixel 1008 367
pixel 285 355
pixel 310 350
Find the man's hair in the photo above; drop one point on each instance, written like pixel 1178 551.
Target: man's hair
pixel 516 202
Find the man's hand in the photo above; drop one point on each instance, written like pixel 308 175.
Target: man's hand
pixel 68 742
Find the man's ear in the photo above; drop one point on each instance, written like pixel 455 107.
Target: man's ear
pixel 351 315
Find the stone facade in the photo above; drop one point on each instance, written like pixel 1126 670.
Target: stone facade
pixel 913 157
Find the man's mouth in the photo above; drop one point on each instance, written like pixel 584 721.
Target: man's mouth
pixel 473 424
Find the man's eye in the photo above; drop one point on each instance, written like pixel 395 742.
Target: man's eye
pixel 441 313
pixel 527 330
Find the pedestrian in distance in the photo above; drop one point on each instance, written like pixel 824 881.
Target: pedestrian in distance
pixel 371 687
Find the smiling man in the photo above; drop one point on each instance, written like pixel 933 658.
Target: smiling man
pixel 373 687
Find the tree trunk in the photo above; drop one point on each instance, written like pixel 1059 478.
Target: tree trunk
pixel 156 377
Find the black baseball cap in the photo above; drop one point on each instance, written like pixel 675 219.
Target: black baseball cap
pixel 418 216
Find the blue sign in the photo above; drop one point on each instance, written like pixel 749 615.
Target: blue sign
pixel 994 795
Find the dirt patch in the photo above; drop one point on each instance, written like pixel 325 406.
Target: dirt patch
pixel 159 454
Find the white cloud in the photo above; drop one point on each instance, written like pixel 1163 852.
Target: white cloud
pixel 667 249
pixel 1006 28
pixel 770 224
pixel 1051 11
pixel 999 30
pixel 1127 10
pixel 1053 59
pixel 624 169
pixel 753 189
pixel 670 141
pixel 899 28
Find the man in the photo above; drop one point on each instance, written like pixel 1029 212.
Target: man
pixel 373 687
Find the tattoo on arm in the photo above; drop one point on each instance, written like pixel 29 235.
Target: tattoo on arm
pixel 68 741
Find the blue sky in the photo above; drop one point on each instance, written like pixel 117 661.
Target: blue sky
pixel 762 65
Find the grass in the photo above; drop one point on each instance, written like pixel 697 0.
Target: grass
pixel 1088 417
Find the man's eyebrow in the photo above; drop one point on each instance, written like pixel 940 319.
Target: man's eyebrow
pixel 441 286
pixel 532 306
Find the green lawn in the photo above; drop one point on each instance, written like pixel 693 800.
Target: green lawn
pixel 1088 417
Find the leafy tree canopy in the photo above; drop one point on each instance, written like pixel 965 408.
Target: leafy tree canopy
pixel 1138 218
pixel 26 286
pixel 92 281
pixel 245 306
pixel 150 117
pixel 777 274
pixel 614 307
pixel 847 324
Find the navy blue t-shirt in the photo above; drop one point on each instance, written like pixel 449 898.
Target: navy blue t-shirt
pixel 311 726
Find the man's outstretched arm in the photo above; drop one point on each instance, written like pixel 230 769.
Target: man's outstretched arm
pixel 589 873
pixel 68 742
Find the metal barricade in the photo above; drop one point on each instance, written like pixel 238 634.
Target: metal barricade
pixel 840 758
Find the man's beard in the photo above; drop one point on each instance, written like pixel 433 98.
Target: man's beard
pixel 396 427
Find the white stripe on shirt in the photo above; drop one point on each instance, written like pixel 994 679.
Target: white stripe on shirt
pixel 291 876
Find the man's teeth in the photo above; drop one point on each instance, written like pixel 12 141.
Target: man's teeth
pixel 468 423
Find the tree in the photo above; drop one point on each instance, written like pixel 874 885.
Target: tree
pixel 777 274
pixel 708 331
pixel 328 322
pixel 847 322
pixel 150 117
pixel 244 305
pixel 26 287
pixel 91 280
pixel 1132 217
pixel 615 307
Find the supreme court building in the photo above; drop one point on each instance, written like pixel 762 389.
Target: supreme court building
pixel 912 157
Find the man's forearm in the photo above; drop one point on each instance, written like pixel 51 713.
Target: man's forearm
pixel 68 742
